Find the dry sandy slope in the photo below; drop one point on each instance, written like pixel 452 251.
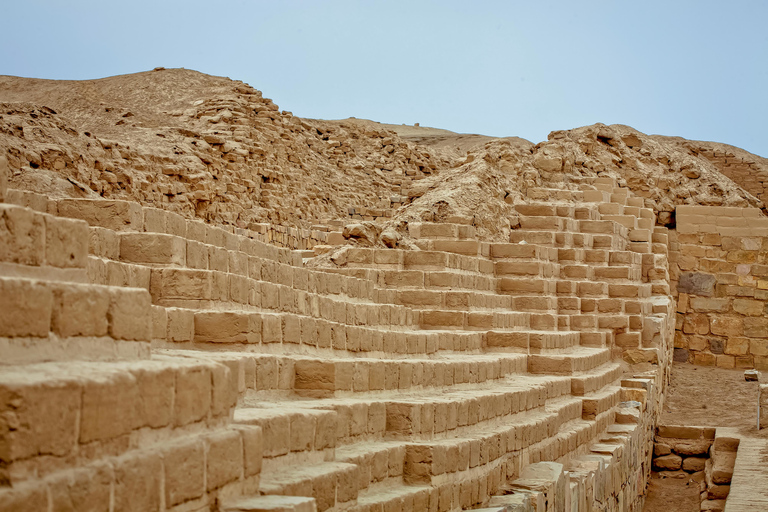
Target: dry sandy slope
pixel 216 149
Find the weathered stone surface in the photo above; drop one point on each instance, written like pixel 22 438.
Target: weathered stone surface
pixel 697 283
pixel 670 462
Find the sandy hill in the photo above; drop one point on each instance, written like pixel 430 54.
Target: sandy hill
pixel 216 149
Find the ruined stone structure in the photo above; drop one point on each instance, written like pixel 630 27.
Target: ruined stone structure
pixel 377 360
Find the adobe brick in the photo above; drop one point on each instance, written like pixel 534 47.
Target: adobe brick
pixel 224 458
pixel 184 465
pixel 27 308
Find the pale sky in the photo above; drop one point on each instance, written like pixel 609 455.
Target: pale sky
pixel 697 69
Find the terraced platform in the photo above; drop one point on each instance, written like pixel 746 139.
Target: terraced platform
pixel 156 363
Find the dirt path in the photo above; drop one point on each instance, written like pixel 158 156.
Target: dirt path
pixel 714 397
pixel 702 396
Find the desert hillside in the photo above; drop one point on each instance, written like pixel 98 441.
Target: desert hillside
pixel 217 149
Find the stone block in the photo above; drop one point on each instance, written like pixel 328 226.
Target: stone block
pixel 155 220
pixel 80 310
pixel 225 327
pixel 224 459
pixel 41 415
pixel 111 214
pixel 696 323
pixel 66 242
pixel 680 355
pixel 5 172
pixel 110 407
pixel 726 325
pixel 83 489
pixel 103 243
pixel 26 307
pixel 22 235
pixel 670 462
pixel 130 314
pixel 156 394
pixel 756 327
pixel 705 305
pixel 184 465
pixel 736 346
pixel 193 394
pixel 180 325
pixel 749 307
pixel 154 248
pixel 253 446
pixel 694 464
pixel 137 482
pixel 758 347
pixel 185 284
pixel 273 503
pixel 704 359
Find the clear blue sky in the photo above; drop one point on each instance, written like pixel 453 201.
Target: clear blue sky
pixel 697 69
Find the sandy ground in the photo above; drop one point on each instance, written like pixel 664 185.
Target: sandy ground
pixel 702 396
pixel 712 397
pixel 672 495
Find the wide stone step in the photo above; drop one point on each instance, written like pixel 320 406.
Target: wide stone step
pixel 579 359
pixel 431 319
pixel 323 378
pixel 531 341
pixel 33 239
pixel 71 410
pixel 547 223
pixel 331 484
pixel 596 379
pixel 291 430
pixel 270 503
pixel 286 331
pixel 452 299
pixel 50 320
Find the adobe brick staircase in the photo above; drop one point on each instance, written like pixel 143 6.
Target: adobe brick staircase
pixel 153 363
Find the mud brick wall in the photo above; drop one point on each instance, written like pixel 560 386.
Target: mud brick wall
pixel 747 174
pixel 719 265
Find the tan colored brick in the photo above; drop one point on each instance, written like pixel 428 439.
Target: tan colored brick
pixel 110 214
pixel 103 242
pixel 696 323
pixel 748 307
pixel 110 408
pixel 86 489
pixel 130 314
pixel 181 325
pixel 736 346
pixel 153 248
pixel 184 464
pixel 66 242
pixel 224 327
pixel 22 235
pixel 193 394
pixel 5 171
pixel 224 459
pixel 756 327
pixel 706 305
pixel 80 310
pixel 137 482
pixel 156 394
pixel 253 447
pixel 46 413
pixel 726 325
pixel 26 307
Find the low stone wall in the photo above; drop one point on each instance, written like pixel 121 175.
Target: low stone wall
pixel 720 266
pixel 705 454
